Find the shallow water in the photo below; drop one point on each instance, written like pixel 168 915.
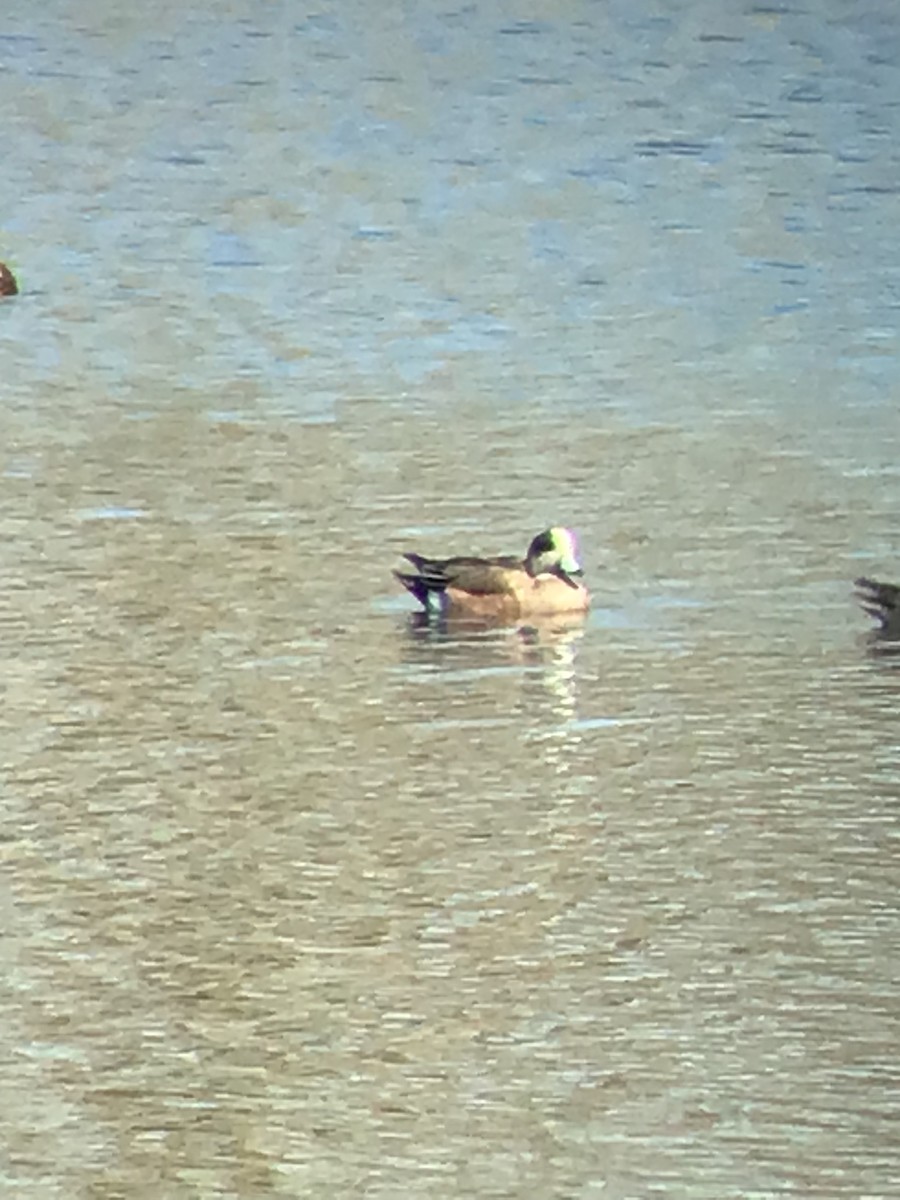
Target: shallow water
pixel 301 897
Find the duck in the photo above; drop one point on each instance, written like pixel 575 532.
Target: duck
pixel 545 583
pixel 881 601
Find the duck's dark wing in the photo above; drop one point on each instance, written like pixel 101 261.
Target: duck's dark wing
pixel 881 601
pixel 482 576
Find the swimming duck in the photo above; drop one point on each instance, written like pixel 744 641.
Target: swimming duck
pixel 881 601
pixel 544 583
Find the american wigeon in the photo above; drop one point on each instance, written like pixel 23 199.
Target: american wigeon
pixel 881 601
pixel 8 285
pixel 542 584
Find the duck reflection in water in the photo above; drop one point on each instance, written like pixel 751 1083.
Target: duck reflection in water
pixel 519 664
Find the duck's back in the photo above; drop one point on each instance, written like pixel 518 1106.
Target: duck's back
pixel 480 576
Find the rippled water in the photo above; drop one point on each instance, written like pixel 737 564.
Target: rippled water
pixel 301 897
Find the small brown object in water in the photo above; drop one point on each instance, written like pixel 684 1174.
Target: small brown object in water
pixel 8 285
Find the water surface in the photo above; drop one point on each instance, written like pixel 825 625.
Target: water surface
pixel 300 897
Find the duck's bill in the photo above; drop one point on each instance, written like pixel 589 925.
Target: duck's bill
pixel 571 576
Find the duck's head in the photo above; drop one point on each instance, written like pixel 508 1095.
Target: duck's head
pixel 554 552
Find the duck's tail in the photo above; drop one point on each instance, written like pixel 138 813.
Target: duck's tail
pixel 427 584
pixel 881 601
pixel 414 584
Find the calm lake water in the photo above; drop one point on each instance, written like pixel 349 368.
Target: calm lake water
pixel 300 898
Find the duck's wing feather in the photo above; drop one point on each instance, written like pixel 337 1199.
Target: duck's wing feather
pixel 481 576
